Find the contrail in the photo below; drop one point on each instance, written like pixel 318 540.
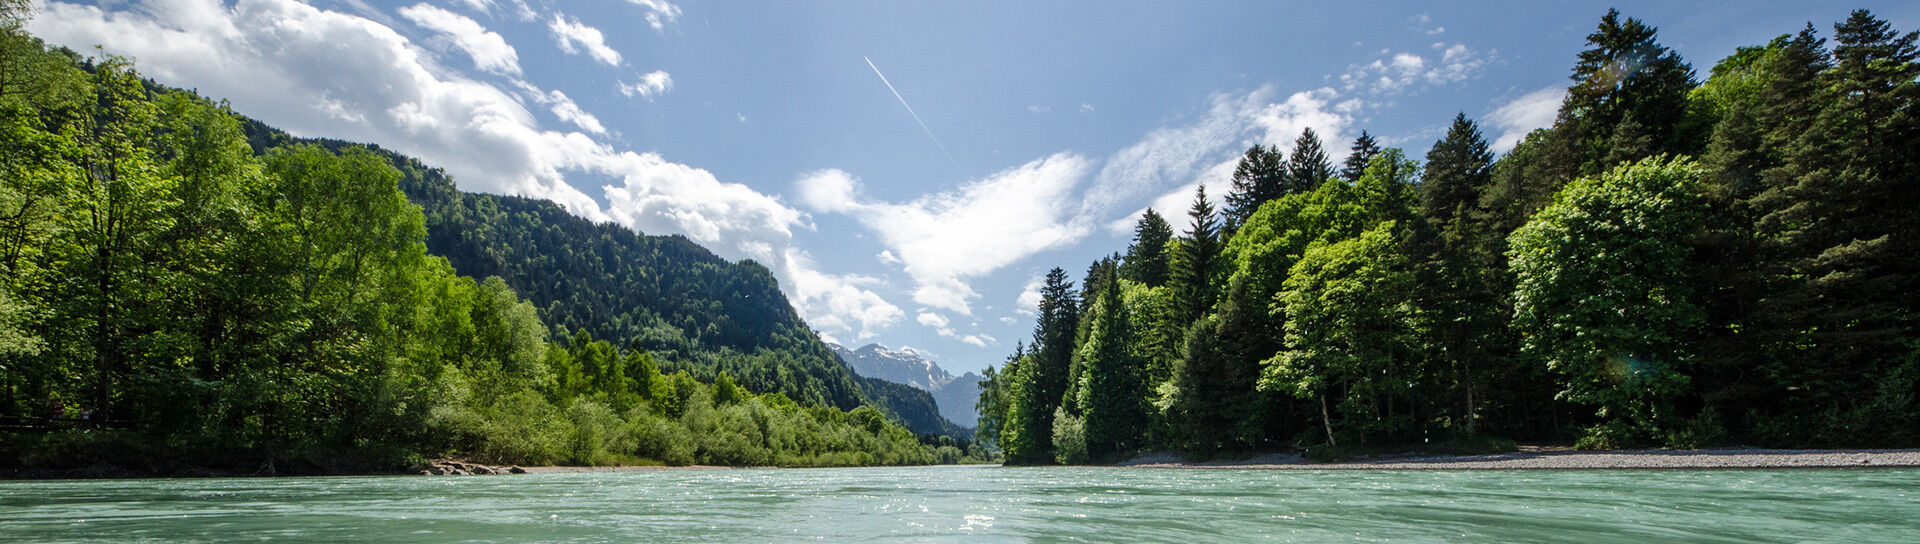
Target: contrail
pixel 916 116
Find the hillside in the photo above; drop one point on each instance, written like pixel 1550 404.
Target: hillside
pixel 667 295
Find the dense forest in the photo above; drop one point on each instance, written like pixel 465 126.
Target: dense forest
pixel 173 299
pixel 1673 262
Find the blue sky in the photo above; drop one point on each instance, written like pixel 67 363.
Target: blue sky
pixel 762 130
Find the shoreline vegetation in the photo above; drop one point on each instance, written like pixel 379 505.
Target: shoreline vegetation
pixel 1685 258
pixel 1556 458
pixel 181 293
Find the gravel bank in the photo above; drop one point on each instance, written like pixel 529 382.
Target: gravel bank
pixel 1568 459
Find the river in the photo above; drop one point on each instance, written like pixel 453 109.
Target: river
pixel 984 504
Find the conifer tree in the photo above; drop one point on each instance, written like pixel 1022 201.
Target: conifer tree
pixel 1261 176
pixel 1309 166
pixel 1364 148
pixel 1196 262
pixel 1112 393
pixel 1458 169
pixel 1147 259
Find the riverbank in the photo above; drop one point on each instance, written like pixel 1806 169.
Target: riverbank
pixel 1547 458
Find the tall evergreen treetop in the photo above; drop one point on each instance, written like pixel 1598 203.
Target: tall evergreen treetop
pixel 1364 148
pixel 1458 168
pixel 1261 176
pixel 1626 70
pixel 1146 260
pixel 1197 260
pixel 1309 166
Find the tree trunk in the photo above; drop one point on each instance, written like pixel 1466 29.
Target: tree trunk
pixel 1326 420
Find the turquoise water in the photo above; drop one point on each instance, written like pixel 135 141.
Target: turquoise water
pixel 984 504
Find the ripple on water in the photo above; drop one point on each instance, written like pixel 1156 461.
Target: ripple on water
pixel 987 504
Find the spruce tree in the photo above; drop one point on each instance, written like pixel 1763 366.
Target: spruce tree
pixel 1112 391
pixel 1625 70
pixel 1196 262
pixel 1364 148
pixel 1309 166
pixel 1459 168
pixel 1147 261
pixel 1261 176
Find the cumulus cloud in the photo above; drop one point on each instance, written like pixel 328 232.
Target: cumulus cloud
pixel 1534 110
pixel 1029 300
pixel 1406 71
pixel 482 6
pixel 575 37
pixel 488 50
pixel 945 239
pixel 660 13
pixel 940 325
pixel 652 84
pixel 322 73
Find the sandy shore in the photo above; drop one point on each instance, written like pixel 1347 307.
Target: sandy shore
pixel 1549 458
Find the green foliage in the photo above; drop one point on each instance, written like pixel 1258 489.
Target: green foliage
pixel 1617 328
pixel 1594 284
pixel 169 298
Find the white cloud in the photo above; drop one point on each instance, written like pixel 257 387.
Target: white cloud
pixel 575 37
pixel 1039 109
pixel 931 319
pixel 1008 320
pixel 946 239
pixel 653 84
pixel 1437 31
pixel 1029 300
pixel 1401 72
pixel 565 109
pixel 741 116
pixel 322 73
pixel 1531 111
pixel 660 13
pixel 1086 108
pixel 940 326
pixel 887 257
pixel 482 6
pixel 488 50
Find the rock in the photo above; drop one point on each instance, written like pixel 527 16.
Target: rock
pixel 516 470
pixel 479 469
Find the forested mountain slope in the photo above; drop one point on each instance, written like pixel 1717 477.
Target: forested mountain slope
pixel 691 309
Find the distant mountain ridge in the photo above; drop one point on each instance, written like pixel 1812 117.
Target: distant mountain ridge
pixel 955 395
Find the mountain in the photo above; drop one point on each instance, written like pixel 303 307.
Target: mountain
pixel 954 395
pixel 691 309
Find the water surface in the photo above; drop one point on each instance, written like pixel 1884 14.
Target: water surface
pixel 984 504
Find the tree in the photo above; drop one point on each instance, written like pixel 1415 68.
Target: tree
pixel 1112 395
pixel 1626 73
pixel 1364 148
pixel 1350 333
pixel 1037 391
pixel 1147 259
pixel 1260 177
pixel 1196 260
pixel 1308 167
pixel 1836 219
pixel 1602 295
pixel 1458 169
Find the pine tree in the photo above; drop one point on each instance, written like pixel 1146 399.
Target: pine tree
pixel 1838 218
pixel 1308 167
pixel 1459 168
pixel 1112 393
pixel 1364 148
pixel 1260 177
pixel 1043 380
pixel 1196 262
pixel 1147 260
pixel 1625 70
